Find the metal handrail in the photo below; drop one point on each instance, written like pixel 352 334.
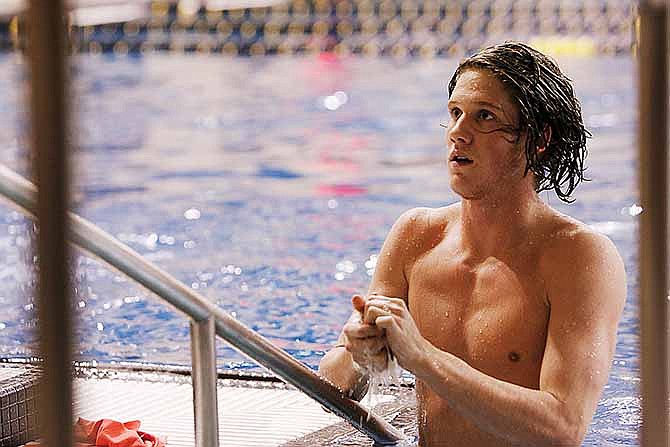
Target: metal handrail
pixel 121 257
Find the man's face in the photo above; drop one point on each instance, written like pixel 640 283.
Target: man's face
pixel 485 155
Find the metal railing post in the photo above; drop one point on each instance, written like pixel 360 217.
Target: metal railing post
pixel 653 175
pixel 48 125
pixel 203 359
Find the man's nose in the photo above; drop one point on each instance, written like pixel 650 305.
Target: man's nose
pixel 459 131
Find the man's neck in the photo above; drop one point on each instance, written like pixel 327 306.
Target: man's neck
pixel 493 224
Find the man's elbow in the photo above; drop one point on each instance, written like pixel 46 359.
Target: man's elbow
pixel 569 432
pixel 567 425
pixel 569 437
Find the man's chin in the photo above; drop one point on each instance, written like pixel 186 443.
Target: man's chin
pixel 470 197
pixel 463 192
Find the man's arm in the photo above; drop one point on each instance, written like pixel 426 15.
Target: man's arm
pixel 390 279
pixel 586 288
pixel 338 365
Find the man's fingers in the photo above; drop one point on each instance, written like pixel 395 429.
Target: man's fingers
pixel 387 299
pixel 373 312
pixel 384 322
pixel 358 302
pixel 361 330
pixel 376 309
pixel 388 305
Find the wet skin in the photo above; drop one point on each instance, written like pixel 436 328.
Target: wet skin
pixel 504 309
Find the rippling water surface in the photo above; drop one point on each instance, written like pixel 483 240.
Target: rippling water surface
pixel 268 185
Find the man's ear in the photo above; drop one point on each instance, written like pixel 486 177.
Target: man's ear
pixel 544 140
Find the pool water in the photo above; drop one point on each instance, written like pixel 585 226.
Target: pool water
pixel 268 184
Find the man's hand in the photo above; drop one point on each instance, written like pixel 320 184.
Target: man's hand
pixel 364 340
pixel 401 333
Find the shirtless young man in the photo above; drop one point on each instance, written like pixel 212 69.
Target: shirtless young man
pixel 505 310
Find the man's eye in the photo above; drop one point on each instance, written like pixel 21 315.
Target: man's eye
pixel 486 115
pixel 455 112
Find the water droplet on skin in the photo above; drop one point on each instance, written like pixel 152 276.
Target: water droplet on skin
pixel 446 314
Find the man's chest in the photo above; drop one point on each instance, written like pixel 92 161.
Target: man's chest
pixel 492 314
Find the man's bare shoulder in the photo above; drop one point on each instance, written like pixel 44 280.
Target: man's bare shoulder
pixel 574 250
pixel 565 235
pixel 419 229
pixel 425 223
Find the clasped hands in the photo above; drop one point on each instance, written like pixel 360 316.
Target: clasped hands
pixel 382 325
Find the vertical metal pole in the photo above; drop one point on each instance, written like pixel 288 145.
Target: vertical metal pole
pixel 203 358
pixel 653 141
pixel 46 48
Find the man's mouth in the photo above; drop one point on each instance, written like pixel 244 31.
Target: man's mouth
pixel 460 160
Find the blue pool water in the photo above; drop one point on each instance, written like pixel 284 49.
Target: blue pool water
pixel 268 185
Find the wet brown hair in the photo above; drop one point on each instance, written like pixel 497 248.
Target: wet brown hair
pixel 545 98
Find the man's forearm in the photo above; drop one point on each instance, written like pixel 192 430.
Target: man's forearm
pixel 518 414
pixel 339 368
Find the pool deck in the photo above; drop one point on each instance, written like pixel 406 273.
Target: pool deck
pixel 253 411
pixel 248 416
